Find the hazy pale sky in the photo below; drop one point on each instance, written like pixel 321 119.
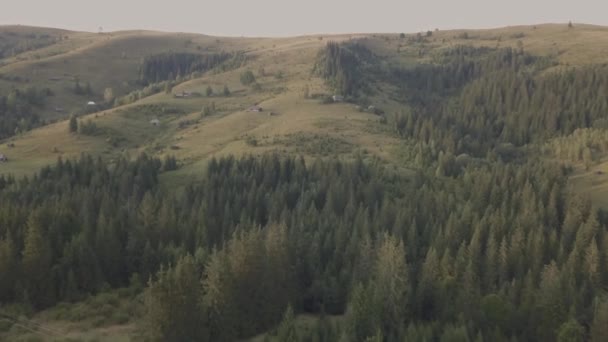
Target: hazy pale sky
pixel 288 17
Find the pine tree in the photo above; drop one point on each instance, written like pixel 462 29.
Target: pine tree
pixel 36 261
pixel 550 302
pixel 287 330
pixel 378 337
pixel 8 269
pixel 108 95
pixel 73 125
pixel 571 331
pixel 428 287
pixel 247 78
pixel 173 303
pixel 600 321
pixel 217 299
pixel 87 89
pixel 362 314
pixel 77 87
pixel 391 285
pixel 279 279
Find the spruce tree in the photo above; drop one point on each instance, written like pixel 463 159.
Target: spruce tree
pixel 287 330
pixel 73 124
pixel 36 261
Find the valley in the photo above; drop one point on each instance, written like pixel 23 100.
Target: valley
pixel 442 185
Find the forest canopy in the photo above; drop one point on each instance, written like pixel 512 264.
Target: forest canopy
pixel 499 251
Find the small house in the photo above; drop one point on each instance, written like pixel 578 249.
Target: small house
pixel 337 98
pixel 3 158
pixel 183 94
pixel 155 122
pixel 91 103
pixel 255 108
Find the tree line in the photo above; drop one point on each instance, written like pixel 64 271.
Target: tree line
pixel 346 67
pixel 172 65
pixel 18 110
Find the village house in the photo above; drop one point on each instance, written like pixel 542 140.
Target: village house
pixel 337 98
pixel 155 122
pixel 255 108
pixel 3 158
pixel 183 94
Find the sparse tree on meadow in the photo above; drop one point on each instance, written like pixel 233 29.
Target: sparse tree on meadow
pixel 247 78
pixel 73 124
pixel 108 95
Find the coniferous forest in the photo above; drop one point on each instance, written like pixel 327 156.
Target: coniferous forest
pixel 169 66
pixel 500 251
pixel 482 241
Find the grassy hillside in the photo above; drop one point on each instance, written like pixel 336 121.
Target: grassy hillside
pixel 283 69
pixel 111 60
pixel 286 65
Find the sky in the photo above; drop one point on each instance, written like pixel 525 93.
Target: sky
pixel 301 17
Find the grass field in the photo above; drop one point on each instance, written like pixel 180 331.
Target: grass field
pixel 592 183
pixel 108 316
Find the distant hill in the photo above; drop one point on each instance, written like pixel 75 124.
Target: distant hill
pixel 283 69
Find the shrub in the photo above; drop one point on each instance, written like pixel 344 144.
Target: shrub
pixel 5 325
pixel 464 35
pixel 326 100
pixel 73 126
pixel 170 163
pixel 247 78
pixel 251 141
pixel 120 317
pixel 88 128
